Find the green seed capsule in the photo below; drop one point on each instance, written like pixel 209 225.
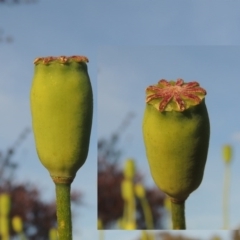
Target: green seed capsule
pixel 62 106
pixel 227 153
pixel 17 224
pixel 176 135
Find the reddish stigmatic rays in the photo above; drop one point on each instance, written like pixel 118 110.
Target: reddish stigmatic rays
pixel 61 59
pixel 178 92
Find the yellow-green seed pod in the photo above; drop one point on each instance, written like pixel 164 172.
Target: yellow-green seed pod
pixel 127 189
pixel 62 106
pixel 53 234
pixel 5 204
pixel 139 190
pixel 17 224
pixel 176 134
pixel 227 153
pixel 129 168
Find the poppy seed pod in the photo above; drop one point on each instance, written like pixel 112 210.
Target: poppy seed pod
pixel 176 134
pixel 61 107
pixel 227 153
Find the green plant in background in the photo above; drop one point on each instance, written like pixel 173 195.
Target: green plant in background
pixel 129 169
pixel 176 133
pixel 5 206
pixel 140 193
pixel 99 224
pixel 18 227
pixel 167 206
pixel 100 229
pixel 227 157
pixel 62 107
pixel 53 234
pixel 146 235
pixel 127 188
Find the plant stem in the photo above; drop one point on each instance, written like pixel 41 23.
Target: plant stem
pixel 64 211
pixel 226 191
pixel 22 236
pixel 178 215
pixel 147 213
pixel 101 234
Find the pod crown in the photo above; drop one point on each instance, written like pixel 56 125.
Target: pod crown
pixel 60 59
pixel 174 96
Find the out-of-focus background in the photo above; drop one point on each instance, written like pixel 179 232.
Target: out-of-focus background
pixel 33 28
pixel 172 235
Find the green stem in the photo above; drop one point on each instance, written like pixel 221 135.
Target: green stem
pixel 22 236
pixel 5 237
pixel 147 213
pixel 101 234
pixel 178 215
pixel 4 228
pixel 226 188
pixel 64 211
pixel 132 211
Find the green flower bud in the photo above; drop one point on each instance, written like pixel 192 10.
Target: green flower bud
pixel 176 134
pixel 62 106
pixel 17 224
pixel 5 204
pixel 227 153
pixel 129 168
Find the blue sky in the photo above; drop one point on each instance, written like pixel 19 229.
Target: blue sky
pixel 124 40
